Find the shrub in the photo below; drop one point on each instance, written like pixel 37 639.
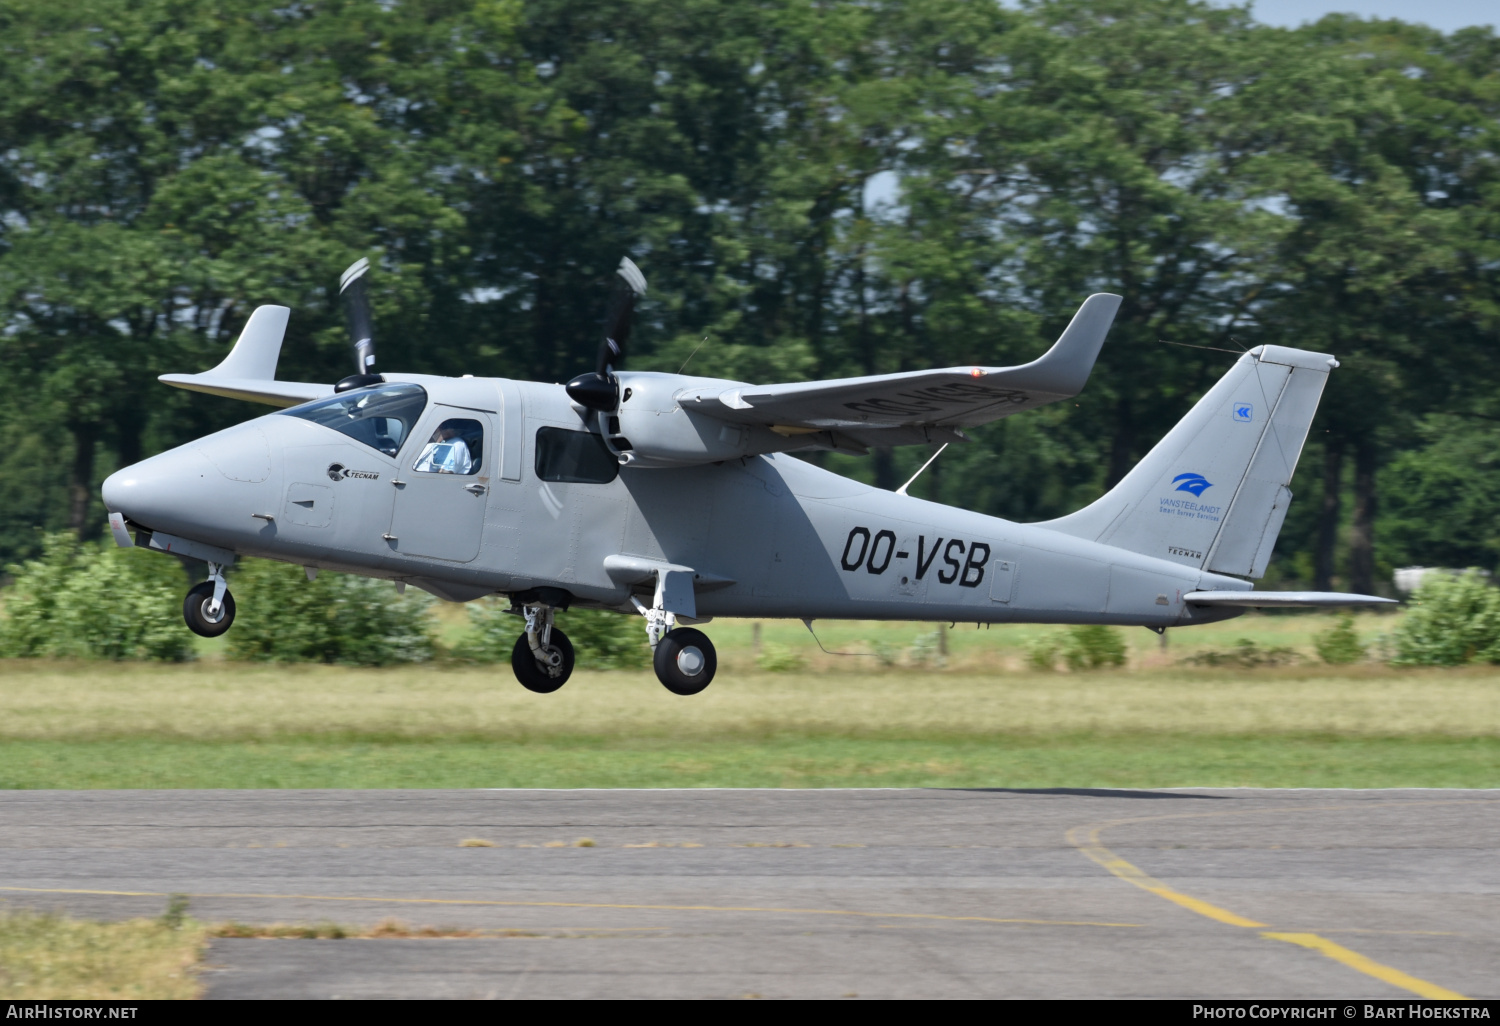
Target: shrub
pixel 605 640
pixel 1452 620
pixel 602 639
pixel 1084 647
pixel 1339 643
pixel 885 653
pixel 1041 653
pixel 338 618
pixel 779 659
pixel 1092 647
pixel 96 602
pixel 1247 655
pixel 927 650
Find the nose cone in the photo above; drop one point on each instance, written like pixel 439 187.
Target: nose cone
pixel 117 490
pixel 208 490
pixel 160 493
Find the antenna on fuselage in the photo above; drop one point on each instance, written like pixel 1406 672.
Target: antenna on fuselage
pixel 903 488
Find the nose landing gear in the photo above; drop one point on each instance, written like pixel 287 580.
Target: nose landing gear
pixel 543 656
pixel 208 607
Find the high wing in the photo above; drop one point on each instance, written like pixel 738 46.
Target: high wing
pixel 931 405
pixel 249 371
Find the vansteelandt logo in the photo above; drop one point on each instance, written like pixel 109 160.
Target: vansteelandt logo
pixel 1196 484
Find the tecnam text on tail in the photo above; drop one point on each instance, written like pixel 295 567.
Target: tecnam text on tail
pixel 672 496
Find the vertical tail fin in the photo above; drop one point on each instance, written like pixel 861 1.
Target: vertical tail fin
pixel 1213 493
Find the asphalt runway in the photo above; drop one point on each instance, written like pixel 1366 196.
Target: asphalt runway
pixel 838 893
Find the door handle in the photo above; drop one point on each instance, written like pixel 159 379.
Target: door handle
pixel 476 489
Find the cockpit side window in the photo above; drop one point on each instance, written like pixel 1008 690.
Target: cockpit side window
pixel 380 417
pixel 456 447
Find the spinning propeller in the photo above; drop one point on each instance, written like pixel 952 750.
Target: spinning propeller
pixel 361 327
pixel 598 390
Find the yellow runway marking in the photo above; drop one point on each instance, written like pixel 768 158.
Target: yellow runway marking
pixel 1086 840
pixel 1397 933
pixel 1368 966
pixel 584 904
pixel 1131 874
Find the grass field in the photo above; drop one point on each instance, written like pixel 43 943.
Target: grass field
pixel 46 957
pixel 984 721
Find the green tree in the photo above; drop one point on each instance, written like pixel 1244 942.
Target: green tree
pixel 1441 498
pixel 1385 162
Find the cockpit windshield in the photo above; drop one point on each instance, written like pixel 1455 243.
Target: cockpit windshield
pixel 380 417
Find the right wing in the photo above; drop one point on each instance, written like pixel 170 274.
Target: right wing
pixel 893 409
pixel 249 371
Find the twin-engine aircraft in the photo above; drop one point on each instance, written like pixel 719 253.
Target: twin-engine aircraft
pixel 674 497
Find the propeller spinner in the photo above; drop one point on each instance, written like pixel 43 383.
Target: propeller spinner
pixel 598 389
pixel 361 327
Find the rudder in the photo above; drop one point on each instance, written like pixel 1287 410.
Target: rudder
pixel 1240 442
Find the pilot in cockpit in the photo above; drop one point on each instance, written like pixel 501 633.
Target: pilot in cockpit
pixel 446 453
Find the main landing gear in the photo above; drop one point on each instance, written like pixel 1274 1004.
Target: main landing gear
pixel 685 661
pixel 543 656
pixel 684 658
pixel 209 608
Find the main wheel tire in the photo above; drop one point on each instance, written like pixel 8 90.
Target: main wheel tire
pixel 533 675
pixel 195 611
pixel 685 661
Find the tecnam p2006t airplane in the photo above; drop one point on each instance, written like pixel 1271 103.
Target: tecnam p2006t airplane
pixel 672 496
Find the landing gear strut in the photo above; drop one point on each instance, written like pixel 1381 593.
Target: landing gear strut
pixel 543 656
pixel 209 608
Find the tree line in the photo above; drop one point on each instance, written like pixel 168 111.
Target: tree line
pixel 813 188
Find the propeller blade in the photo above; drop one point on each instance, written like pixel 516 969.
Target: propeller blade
pixel 630 283
pixel 599 390
pixel 361 324
pixel 361 327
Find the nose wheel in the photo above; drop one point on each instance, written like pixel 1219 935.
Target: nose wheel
pixel 206 616
pixel 685 661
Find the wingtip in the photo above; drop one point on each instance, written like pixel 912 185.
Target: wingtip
pixel 1064 369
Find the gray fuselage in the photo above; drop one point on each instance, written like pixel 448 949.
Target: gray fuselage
pixel 767 535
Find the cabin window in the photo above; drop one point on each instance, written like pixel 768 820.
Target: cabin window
pixel 577 456
pixel 456 447
pixel 380 417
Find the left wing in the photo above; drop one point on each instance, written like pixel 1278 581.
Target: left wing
pixel 249 371
pixel 932 405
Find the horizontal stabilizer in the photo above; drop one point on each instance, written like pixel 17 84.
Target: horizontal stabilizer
pixel 249 371
pixel 919 406
pixel 1283 599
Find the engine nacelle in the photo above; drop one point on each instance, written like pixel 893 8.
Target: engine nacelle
pixel 650 428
